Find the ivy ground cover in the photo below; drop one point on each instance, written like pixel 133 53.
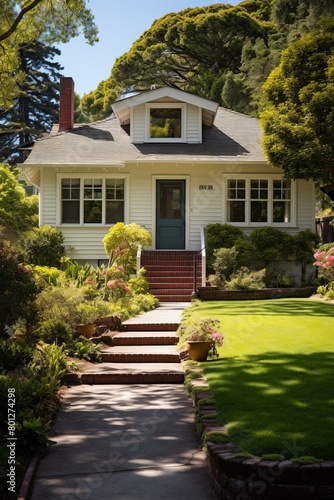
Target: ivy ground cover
pixel 273 381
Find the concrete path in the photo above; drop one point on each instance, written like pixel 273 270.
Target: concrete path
pixel 125 442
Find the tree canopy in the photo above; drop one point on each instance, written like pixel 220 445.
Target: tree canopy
pixel 298 120
pixel 24 22
pixel 221 52
pixel 35 108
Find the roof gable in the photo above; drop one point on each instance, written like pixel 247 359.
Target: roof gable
pixel 122 108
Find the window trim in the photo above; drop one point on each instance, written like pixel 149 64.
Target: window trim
pixel 270 178
pixel 154 105
pixel 82 177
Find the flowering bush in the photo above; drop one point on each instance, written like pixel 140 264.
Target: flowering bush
pixel 202 330
pixel 324 260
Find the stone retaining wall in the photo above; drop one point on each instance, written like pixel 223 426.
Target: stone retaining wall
pixel 214 293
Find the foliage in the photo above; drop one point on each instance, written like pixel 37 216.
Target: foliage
pixel 43 246
pixel 85 313
pixel 272 244
pixel 225 263
pixel 139 283
pixel 36 106
pixel 275 278
pixel 299 110
pixel 121 244
pixel 46 276
pixel 17 288
pixel 59 303
pixel 53 331
pixel 246 279
pixel 83 348
pixel 220 236
pixel 221 52
pixel 18 212
pixel 79 273
pixel 304 244
pixel 34 435
pixel 13 354
pixel 48 21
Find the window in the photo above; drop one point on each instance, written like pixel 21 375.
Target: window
pixel 165 122
pixel 257 201
pixel 92 200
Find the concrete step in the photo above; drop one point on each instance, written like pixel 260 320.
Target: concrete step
pixel 134 373
pixel 141 354
pixel 145 338
pixel 173 298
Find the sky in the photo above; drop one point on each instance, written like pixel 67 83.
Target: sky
pixel 120 23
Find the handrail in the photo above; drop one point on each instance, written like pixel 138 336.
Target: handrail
pixel 203 252
pixel 138 259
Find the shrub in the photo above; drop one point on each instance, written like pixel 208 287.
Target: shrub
pixel 83 348
pixel 17 288
pixel 54 331
pixel 14 354
pixel 121 244
pixel 245 279
pixel 46 276
pixel 272 244
pixel 139 284
pixel 42 246
pixel 225 263
pixel 59 303
pixel 220 236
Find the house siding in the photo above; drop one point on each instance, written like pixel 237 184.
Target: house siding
pixel 205 202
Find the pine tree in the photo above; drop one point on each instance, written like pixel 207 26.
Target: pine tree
pixel 36 106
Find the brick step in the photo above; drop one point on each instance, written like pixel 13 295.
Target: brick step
pixel 166 285
pixel 171 291
pixel 145 338
pixel 134 373
pixel 141 354
pixel 174 298
pixel 171 274
pixel 149 255
pixel 171 279
pixel 150 327
pixel 169 267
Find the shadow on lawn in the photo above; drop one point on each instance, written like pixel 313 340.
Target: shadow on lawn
pixel 277 402
pixel 274 307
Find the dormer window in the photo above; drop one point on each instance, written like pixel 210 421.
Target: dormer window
pixel 165 122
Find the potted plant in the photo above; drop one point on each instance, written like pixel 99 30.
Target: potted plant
pixel 202 338
pixel 85 315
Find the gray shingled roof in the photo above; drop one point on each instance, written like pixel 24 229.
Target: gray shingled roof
pixel 234 137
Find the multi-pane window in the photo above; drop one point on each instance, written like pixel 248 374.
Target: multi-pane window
pixel 259 201
pixel 92 201
pixel 165 123
pixel 282 201
pixel 236 200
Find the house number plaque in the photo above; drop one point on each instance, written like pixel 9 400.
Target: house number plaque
pixel 205 187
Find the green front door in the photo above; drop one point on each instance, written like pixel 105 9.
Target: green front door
pixel 170 230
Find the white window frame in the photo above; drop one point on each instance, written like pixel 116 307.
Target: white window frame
pixel 152 105
pixel 270 179
pixel 82 177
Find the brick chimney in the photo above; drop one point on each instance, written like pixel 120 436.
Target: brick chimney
pixel 66 108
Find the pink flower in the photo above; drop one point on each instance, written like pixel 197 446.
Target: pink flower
pixel 111 284
pixel 319 255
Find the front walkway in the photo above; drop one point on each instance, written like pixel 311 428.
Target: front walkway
pixel 129 441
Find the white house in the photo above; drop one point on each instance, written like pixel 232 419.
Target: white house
pixel 167 160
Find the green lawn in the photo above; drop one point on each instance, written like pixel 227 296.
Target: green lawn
pixel 274 381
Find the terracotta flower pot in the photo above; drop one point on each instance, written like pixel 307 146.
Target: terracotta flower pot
pixel 86 330
pixel 198 350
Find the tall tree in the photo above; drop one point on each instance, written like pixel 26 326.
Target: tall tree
pixel 36 106
pixel 26 21
pixel 298 120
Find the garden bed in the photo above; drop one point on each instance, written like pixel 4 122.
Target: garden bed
pixel 215 293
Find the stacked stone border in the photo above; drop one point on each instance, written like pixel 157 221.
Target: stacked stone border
pixel 215 293
pixel 237 477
